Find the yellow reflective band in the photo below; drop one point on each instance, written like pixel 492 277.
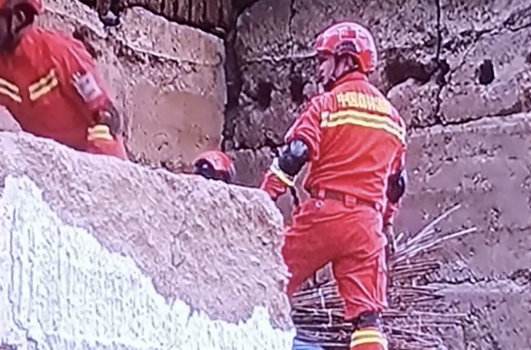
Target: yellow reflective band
pixel 10 86
pixel 368 336
pixel 10 94
pixel 285 178
pixel 370 340
pixel 364 119
pixel 99 132
pixel 367 333
pixel 43 85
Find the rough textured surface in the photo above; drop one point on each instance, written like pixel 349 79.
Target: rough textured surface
pixel 7 123
pixel 492 322
pixel 167 79
pixel 485 166
pixel 210 15
pixel 221 263
pixel 61 289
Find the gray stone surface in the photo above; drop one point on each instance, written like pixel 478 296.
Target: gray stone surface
pixel 98 253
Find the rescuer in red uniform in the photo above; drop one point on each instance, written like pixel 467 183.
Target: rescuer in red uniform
pixel 214 165
pixel 49 83
pixel 354 142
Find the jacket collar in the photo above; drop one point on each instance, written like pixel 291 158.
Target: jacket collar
pixel 350 77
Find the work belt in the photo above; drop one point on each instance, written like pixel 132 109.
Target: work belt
pixel 349 200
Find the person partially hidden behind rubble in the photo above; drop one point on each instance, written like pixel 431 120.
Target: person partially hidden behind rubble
pixel 354 141
pixel 214 165
pixel 49 83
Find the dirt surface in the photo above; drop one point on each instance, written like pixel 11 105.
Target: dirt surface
pixel 222 263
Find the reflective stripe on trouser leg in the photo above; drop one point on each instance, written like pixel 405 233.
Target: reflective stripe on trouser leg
pixel 369 338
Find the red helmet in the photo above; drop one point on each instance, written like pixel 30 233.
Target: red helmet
pixel 214 165
pixel 349 38
pixel 36 5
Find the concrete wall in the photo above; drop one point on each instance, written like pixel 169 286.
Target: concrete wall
pixel 96 253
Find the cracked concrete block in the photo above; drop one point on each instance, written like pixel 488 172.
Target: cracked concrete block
pixel 416 102
pixel 97 253
pixel 206 14
pixel 486 51
pixel 168 80
pixel 466 97
pixel 483 165
pixel 496 318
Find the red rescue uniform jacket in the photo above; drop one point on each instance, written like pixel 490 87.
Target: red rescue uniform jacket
pixel 51 87
pixel 356 139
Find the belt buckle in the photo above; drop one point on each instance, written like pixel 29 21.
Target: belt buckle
pixel 350 201
pixel 320 194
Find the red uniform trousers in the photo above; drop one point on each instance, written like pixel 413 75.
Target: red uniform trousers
pixel 348 234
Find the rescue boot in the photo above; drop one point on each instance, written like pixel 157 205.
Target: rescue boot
pixel 368 338
pixel 367 333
